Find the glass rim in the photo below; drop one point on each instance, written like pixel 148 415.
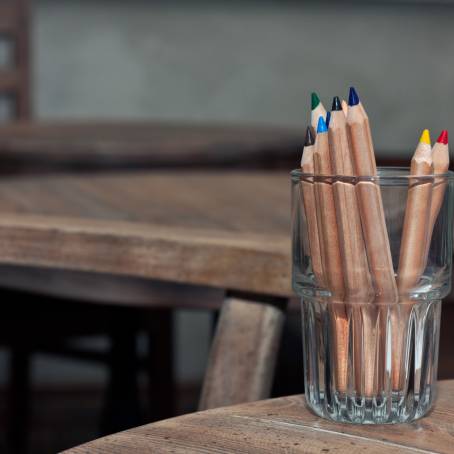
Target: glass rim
pixel 385 174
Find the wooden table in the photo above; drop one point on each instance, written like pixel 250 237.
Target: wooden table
pixel 216 233
pixel 101 146
pixel 282 425
pixel 219 229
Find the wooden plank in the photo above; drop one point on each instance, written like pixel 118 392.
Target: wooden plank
pixel 243 354
pixel 283 425
pixel 201 229
pixel 256 202
pixel 246 262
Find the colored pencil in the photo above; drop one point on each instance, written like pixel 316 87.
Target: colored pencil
pixel 370 202
pixel 412 259
pixel 307 188
pixel 377 245
pixel 358 283
pixel 417 216
pixel 440 159
pixel 332 262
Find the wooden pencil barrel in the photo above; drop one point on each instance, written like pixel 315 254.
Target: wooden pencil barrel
pixel 377 241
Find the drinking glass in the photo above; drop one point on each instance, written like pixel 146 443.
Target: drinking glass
pixel 370 357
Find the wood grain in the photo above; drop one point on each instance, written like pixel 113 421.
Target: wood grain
pixel 282 425
pixel 247 341
pixel 192 228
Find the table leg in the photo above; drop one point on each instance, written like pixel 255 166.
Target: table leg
pixel 122 406
pixel 160 369
pixel 243 354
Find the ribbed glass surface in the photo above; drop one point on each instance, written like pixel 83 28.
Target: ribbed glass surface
pixel 365 385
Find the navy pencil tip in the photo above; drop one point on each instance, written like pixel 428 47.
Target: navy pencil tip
pixel 353 98
pixel 310 137
pixel 328 118
pixel 321 126
pixel 337 105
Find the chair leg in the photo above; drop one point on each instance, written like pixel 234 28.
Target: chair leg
pixel 243 354
pixel 160 369
pixel 122 407
pixel 18 400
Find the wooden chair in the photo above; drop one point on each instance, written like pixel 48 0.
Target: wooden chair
pixel 15 78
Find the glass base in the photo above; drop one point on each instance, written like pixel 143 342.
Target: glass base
pixel 397 408
pixel 370 364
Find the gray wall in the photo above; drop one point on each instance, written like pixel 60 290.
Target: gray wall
pixel 245 61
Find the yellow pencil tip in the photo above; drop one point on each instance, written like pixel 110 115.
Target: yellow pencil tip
pixel 425 137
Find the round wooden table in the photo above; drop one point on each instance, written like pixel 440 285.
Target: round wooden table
pixel 282 425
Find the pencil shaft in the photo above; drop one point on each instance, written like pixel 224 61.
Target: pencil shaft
pixel 371 207
pixel 412 257
pixel 332 264
pixel 414 235
pixel 309 202
pixel 440 159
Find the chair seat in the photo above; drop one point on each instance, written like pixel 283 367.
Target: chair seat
pixel 282 425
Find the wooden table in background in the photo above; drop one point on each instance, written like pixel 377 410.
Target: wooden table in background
pixel 283 425
pixel 216 233
pixel 216 229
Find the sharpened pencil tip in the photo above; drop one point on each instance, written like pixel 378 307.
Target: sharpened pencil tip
pixel 310 137
pixel 336 104
pixel 353 98
pixel 328 118
pixel 315 100
pixel 321 126
pixel 443 137
pixel 425 137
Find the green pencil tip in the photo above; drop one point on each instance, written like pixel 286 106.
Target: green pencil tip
pixel 315 100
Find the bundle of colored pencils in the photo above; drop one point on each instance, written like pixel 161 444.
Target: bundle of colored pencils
pixel 348 240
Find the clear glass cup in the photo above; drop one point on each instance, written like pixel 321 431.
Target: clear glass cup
pixel 370 357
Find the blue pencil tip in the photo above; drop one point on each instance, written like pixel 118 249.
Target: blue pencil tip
pixel 353 98
pixel 321 127
pixel 328 118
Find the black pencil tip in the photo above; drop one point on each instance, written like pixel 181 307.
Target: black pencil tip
pixel 310 137
pixel 337 105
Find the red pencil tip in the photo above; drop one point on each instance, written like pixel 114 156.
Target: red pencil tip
pixel 443 137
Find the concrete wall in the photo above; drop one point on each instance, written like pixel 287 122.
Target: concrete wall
pixel 245 61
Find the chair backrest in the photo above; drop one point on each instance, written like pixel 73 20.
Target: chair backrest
pixel 14 72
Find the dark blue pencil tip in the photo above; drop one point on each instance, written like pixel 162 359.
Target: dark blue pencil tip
pixel 328 118
pixel 321 126
pixel 310 137
pixel 353 98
